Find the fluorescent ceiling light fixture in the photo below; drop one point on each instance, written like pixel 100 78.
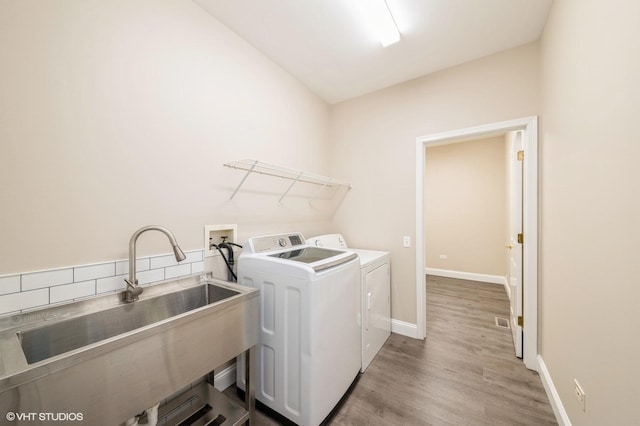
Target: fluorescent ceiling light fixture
pixel 382 21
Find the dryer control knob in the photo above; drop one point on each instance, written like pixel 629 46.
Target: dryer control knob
pixel 282 242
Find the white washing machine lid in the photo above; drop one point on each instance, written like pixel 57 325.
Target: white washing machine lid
pixel 291 249
pixel 317 257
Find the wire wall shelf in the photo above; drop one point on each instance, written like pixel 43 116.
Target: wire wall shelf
pixel 255 166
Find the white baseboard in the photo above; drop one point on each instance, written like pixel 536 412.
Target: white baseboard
pixel 225 378
pixel 485 278
pixel 558 409
pixel 405 328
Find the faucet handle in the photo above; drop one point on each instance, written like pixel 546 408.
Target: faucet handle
pixel 130 283
pixel 132 292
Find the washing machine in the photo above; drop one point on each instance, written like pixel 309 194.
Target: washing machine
pixel 375 296
pixel 308 352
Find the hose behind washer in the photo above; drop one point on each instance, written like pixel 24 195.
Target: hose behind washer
pixel 228 260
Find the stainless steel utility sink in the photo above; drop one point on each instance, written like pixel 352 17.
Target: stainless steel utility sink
pixel 109 360
pixel 63 336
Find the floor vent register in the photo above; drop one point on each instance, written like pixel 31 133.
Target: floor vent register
pixel 502 323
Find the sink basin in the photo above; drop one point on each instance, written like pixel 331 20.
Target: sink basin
pixel 63 336
pixel 110 360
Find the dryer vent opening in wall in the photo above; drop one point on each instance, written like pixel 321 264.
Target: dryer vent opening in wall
pixel 502 323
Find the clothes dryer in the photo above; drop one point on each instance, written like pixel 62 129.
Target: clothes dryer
pixel 375 294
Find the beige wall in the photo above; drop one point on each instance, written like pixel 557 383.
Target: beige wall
pixel 118 114
pixel 465 198
pixel 373 144
pixel 590 210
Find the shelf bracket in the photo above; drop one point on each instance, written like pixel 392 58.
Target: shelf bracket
pixel 243 179
pixel 296 180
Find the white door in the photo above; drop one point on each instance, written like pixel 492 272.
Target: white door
pixel 515 247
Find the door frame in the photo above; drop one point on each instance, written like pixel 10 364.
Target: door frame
pixel 529 126
pixel 514 272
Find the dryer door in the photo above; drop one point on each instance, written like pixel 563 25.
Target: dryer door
pixel 376 312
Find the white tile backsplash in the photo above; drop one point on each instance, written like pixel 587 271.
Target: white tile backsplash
pixel 122 267
pixel 10 284
pixel 151 276
pixel 105 285
pixel 30 290
pixel 47 279
pixel 177 271
pixel 193 256
pixel 72 291
pixel 163 261
pixel 85 273
pixel 197 267
pixel 170 260
pixel 23 300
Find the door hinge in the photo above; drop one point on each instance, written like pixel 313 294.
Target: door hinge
pixel 520 239
pixel 521 321
pixel 520 155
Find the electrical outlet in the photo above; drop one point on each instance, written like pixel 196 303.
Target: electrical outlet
pixel 580 395
pixel 406 241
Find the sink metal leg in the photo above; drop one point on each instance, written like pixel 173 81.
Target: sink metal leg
pixel 249 377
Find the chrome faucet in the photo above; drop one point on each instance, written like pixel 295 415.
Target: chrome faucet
pixel 133 290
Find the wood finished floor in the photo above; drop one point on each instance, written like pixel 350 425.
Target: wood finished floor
pixel 464 373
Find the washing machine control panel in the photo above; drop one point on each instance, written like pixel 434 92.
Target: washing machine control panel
pixel 276 242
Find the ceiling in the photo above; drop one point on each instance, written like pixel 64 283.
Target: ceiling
pixel 326 45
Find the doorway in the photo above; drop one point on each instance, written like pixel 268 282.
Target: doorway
pixel 529 134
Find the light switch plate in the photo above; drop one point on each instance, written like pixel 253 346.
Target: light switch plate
pixel 406 242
